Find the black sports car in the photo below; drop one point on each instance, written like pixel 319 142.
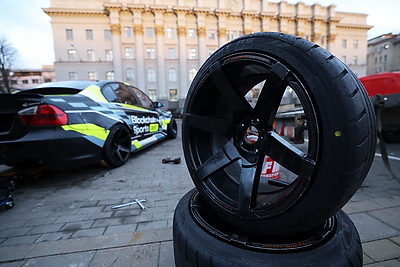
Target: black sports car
pixel 75 123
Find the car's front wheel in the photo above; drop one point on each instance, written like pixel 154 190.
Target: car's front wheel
pixel 172 129
pixel 117 147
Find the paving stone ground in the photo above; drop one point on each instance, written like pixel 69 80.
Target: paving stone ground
pixel 66 219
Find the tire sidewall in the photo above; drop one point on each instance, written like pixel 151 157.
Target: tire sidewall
pixel 195 247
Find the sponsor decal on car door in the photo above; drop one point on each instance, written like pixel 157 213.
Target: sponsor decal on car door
pixel 144 123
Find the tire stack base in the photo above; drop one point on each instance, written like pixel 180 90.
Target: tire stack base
pixel 196 246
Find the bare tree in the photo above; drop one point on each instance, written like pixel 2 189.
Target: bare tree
pixel 7 57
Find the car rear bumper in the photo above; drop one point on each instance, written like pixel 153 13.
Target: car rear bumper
pixel 56 148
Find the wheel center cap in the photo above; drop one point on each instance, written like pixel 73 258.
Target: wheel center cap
pixel 250 138
pixel 251 135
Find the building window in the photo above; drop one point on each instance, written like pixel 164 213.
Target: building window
pixel 109 75
pixel 172 75
pixel 171 33
pixel 192 33
pixel 171 53
pixel 89 34
pixel 233 34
pixel 192 74
pixel 107 35
pixel 150 32
pixel 92 75
pixel 73 75
pixel 376 60
pixel 355 44
pixel 91 55
pixel 385 59
pixel 72 55
pixel 109 55
pixel 35 80
pixel 47 80
pixel 211 34
pixel 152 93
pixel 128 32
pixel 192 53
pixel 151 75
pixel 355 59
pixel 344 43
pixel 14 82
pixel 150 52
pixel 173 94
pixel 128 52
pixel 70 34
pixel 25 82
pixel 130 75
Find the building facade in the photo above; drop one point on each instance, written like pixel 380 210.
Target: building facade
pixel 26 78
pixel 383 54
pixel 159 45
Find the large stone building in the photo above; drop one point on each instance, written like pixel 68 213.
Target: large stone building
pixel 158 45
pixel 21 79
pixel 383 53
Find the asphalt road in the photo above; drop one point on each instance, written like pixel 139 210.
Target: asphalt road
pixel 67 219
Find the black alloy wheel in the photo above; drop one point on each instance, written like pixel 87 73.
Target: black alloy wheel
pixel 230 127
pixel 117 147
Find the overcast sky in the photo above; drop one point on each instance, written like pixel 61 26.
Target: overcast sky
pixel 27 27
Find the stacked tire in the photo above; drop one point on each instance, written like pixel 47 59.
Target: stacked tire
pixel 237 217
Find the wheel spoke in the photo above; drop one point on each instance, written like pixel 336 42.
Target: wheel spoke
pixel 124 149
pixel 272 93
pixel 117 152
pixel 223 158
pixel 288 156
pixel 249 181
pixel 233 99
pixel 209 124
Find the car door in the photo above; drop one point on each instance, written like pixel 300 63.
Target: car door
pixel 150 121
pixel 143 121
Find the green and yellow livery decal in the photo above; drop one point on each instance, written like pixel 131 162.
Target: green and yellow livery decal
pixel 90 131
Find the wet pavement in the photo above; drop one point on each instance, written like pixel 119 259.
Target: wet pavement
pixel 67 219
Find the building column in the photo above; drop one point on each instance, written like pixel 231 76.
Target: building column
pixel 332 23
pixel 116 41
pixel 161 71
pixel 247 22
pixel 266 22
pixel 221 28
pixel 116 44
pixel 138 30
pixel 183 69
pixel 201 35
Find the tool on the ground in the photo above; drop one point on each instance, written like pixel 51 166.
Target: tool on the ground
pixel 175 160
pixel 136 201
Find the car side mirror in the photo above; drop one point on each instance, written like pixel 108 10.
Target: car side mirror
pixel 158 104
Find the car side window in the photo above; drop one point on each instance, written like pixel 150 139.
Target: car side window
pixel 126 95
pixel 144 99
pixel 109 94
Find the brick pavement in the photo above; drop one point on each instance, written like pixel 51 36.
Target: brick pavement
pixel 66 219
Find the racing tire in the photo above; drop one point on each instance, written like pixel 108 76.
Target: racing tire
pixel 172 129
pixel 117 148
pixel 226 137
pixel 194 246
